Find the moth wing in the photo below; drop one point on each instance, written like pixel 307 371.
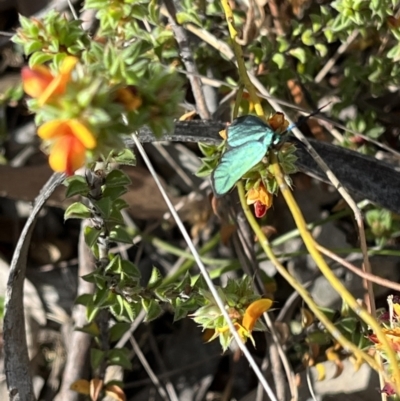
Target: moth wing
pixel 246 129
pixel 234 164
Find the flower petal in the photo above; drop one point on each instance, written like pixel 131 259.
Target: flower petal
pixel 53 129
pixel 58 85
pixel 68 65
pixel 260 210
pixel 35 80
pixel 67 154
pixel 82 133
pixel 254 311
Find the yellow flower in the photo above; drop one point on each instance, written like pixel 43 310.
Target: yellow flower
pixel 71 139
pixel 254 312
pixel 250 317
pixel 259 194
pixel 40 83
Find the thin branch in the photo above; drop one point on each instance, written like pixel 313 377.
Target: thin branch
pixel 331 62
pixel 153 377
pixel 79 342
pixel 187 59
pixel 367 276
pixel 204 272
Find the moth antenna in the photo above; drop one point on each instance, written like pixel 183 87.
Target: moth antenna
pixel 303 119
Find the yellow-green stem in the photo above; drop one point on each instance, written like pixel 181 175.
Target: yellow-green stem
pixel 346 344
pixel 329 275
pixel 307 238
pixel 240 60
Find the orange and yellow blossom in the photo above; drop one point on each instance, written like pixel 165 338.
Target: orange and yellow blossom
pixel 260 198
pixel 392 336
pixel 250 317
pixel 41 84
pixel 71 138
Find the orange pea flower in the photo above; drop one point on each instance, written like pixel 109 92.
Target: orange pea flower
pixel 260 198
pixel 40 83
pixel 254 312
pixel 250 317
pixel 392 336
pixel 71 140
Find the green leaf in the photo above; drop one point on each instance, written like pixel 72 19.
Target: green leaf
pixel 283 44
pixel 120 234
pixel 39 58
pixel 348 324
pixel 329 35
pixel 76 185
pixel 394 52
pixel 129 311
pixel 307 37
pixel 96 358
pixel 91 235
pixel 104 206
pixel 77 211
pixel 204 171
pixel 117 178
pixel 126 157
pixel 119 204
pixel 90 328
pixel 32 47
pixel 116 216
pixel 84 299
pixel 155 279
pixel 299 53
pixel 97 4
pixel 130 269
pixel 184 18
pixel 114 265
pixel 101 297
pixel 152 308
pixel 316 22
pixel 279 60
pixel 322 49
pixel 182 308
pixel 114 192
pixel 375 132
pixel 91 312
pixel 119 357
pixel 206 149
pixel 153 11
pixel 118 330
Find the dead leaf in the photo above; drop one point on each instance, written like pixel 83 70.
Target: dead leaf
pixel 96 385
pixel 81 386
pixel 115 392
pixel 188 116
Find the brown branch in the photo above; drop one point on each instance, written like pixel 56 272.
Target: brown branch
pixel 362 273
pixel 79 344
pixel 187 58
